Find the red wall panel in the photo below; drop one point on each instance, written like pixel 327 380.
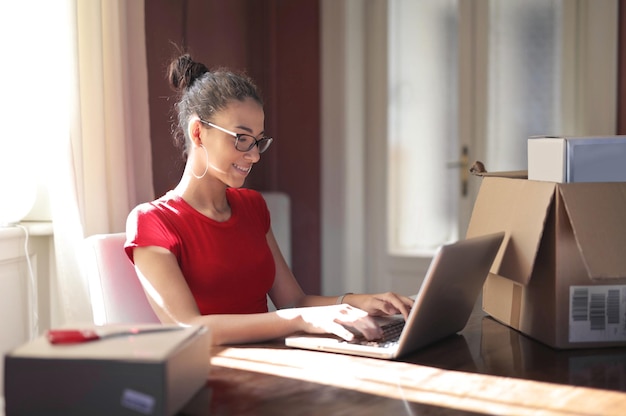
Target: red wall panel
pixel 277 43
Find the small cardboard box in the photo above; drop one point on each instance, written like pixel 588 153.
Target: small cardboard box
pixel 560 276
pixel 147 374
pixel 577 159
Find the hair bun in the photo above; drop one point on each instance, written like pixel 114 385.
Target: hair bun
pixel 183 71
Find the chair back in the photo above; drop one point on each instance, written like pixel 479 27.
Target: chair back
pixel 278 203
pixel 115 290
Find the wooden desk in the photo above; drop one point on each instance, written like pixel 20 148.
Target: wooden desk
pixel 486 369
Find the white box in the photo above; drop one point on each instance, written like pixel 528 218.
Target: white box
pixel 577 159
pixel 148 374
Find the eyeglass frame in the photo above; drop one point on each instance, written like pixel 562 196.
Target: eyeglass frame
pixel 237 137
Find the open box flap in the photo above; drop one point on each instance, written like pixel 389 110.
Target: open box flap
pixel 520 208
pixel 597 213
pixel 513 174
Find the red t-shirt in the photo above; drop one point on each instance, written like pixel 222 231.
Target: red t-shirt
pixel 227 265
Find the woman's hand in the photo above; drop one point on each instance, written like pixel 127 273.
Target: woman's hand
pixel 334 319
pixel 381 304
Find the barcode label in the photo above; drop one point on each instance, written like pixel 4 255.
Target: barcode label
pixel 612 306
pixel 597 313
pixel 137 401
pixel 580 304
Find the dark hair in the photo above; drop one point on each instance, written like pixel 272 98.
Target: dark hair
pixel 204 93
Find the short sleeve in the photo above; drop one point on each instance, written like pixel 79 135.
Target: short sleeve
pixel 146 226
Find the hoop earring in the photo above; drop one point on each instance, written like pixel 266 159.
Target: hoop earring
pixel 206 167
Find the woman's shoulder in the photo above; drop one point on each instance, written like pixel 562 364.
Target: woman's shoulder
pixel 245 195
pixel 167 203
pixel 248 203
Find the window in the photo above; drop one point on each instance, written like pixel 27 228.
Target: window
pixel 34 38
pixel 408 85
pixel 422 125
pixel 484 76
pixel 524 64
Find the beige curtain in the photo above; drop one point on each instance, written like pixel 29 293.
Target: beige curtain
pixel 106 164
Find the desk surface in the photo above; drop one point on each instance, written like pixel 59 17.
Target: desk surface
pixel 486 369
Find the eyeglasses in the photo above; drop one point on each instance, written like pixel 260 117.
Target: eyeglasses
pixel 244 142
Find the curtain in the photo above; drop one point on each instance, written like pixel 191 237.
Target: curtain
pixel 104 166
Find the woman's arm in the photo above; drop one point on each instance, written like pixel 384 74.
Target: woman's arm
pixel 173 302
pixel 286 292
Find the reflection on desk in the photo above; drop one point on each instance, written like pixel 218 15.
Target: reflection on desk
pixel 486 369
pixel 508 353
pixel 486 346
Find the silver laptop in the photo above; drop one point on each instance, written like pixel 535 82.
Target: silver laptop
pixel 442 306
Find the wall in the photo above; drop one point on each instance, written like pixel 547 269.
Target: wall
pixel 277 43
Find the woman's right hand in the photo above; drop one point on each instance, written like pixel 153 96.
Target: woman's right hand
pixel 334 319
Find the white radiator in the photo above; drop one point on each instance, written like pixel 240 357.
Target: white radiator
pixel 24 314
pixel 15 294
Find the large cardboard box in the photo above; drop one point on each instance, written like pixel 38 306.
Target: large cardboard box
pixel 577 159
pixel 147 374
pixel 560 276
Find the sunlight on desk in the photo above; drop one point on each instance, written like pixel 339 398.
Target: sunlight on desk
pixel 421 384
pixel 416 387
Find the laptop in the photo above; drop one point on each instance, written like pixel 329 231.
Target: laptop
pixel 442 306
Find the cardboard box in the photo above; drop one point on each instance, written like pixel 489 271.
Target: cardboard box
pixel 148 374
pixel 577 159
pixel 560 276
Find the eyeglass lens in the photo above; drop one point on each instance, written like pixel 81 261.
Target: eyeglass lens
pixel 245 142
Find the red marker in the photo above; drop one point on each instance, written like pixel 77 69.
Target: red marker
pixel 76 336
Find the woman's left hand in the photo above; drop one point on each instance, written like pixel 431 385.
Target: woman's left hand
pixel 381 304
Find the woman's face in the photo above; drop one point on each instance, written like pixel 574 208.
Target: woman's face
pixel 226 163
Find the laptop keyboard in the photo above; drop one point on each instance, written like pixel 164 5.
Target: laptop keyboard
pixel 391 335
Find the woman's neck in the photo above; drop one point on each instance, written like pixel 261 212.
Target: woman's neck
pixel 205 196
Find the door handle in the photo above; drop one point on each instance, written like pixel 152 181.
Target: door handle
pixel 463 165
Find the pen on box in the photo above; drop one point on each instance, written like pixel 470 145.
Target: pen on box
pixel 77 336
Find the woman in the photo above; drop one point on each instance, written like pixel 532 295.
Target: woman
pixel 205 252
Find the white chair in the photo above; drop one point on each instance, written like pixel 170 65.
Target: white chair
pixel 116 293
pixel 280 209
pixel 278 204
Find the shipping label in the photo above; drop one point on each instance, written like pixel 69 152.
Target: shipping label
pixel 138 401
pixel 597 313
